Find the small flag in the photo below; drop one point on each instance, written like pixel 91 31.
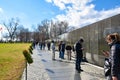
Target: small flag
pixel 1 29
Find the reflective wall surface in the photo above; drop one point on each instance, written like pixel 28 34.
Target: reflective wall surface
pixel 94 38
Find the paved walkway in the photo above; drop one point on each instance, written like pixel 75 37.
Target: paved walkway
pixel 44 68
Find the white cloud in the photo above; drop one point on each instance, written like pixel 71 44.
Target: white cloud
pixel 1 17
pixel 1 10
pixel 1 13
pixel 60 4
pixel 75 3
pixel 81 12
pixel 49 0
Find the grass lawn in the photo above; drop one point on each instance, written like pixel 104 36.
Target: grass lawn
pixel 12 61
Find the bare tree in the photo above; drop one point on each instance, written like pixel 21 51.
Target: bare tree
pixel 58 28
pixel 65 26
pixel 43 29
pixel 49 29
pixel 24 35
pixel 11 27
pixel 45 23
pixel 36 36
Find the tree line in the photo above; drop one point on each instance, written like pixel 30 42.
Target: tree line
pixel 46 29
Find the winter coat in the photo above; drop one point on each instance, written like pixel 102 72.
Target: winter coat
pixel 115 58
pixel 78 49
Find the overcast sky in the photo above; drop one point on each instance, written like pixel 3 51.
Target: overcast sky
pixel 78 13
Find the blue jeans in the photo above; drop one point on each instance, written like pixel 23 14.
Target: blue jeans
pixel 61 55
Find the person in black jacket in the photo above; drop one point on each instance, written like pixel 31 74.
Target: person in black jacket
pixel 79 55
pixel 59 48
pixel 68 49
pixel 62 50
pixel 113 41
pixel 48 45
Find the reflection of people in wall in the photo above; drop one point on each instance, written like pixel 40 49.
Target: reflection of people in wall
pixel 113 41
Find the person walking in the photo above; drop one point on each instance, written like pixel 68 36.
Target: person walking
pixel 53 50
pixel 68 49
pixel 113 41
pixel 79 55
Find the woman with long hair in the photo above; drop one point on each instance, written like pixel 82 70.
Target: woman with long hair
pixel 113 41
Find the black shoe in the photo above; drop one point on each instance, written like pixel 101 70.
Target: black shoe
pixel 53 59
pixel 81 70
pixel 76 69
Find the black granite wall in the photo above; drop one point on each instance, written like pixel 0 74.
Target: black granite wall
pixel 94 37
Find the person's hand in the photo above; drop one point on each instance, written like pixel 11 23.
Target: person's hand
pixel 106 53
pixel 82 48
pixel 114 78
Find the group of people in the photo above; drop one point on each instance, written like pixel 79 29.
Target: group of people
pixel 61 47
pixel 77 48
pixel 113 41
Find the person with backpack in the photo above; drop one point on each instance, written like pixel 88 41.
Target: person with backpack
pixel 68 49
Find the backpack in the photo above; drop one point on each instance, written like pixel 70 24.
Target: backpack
pixel 107 67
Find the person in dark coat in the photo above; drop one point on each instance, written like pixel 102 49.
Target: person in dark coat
pixel 113 41
pixel 79 54
pixel 59 48
pixel 62 50
pixel 48 45
pixel 53 50
pixel 68 49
